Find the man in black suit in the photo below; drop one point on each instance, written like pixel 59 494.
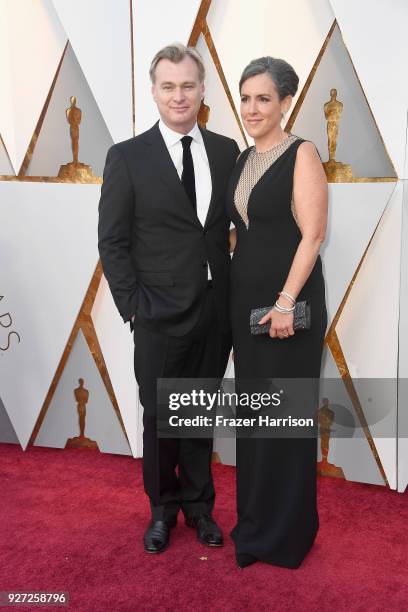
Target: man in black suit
pixel 164 246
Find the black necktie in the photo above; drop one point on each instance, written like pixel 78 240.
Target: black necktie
pixel 187 178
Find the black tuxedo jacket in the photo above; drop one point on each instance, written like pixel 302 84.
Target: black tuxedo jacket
pixel 153 248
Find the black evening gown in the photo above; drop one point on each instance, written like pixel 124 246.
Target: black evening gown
pixel 276 477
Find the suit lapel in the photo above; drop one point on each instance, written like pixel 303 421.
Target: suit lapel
pixel 166 170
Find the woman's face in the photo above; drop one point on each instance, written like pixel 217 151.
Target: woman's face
pixel 261 109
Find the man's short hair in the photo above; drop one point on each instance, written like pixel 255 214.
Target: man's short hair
pixel 176 53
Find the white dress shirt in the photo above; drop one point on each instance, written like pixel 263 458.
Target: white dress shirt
pixel 202 174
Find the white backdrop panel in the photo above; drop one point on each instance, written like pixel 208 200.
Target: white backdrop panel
pixel 53 147
pixel 6 103
pixel 354 211
pixel 368 326
pixel 294 31
pixel 225 447
pixel 116 343
pixel 156 24
pixel 222 118
pixel 329 368
pixel 403 352
pixel 5 165
pixel 35 44
pixel 7 433
pixel 99 32
pixel 359 142
pixel 375 34
pixel 48 250
pixel 61 421
pixel 352 455
pixel 355 458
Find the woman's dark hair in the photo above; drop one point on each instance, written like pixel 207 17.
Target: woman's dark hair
pixel 282 74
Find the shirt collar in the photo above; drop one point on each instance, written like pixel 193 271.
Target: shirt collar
pixel 171 137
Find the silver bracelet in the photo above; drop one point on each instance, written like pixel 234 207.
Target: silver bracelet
pixel 282 309
pixel 292 299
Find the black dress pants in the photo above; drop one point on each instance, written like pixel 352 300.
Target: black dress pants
pixel 202 353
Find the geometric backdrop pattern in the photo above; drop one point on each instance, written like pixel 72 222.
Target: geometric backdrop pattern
pixel 54 298
pixel 375 36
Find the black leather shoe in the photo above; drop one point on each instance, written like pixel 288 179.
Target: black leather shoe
pixel 156 537
pixel 208 531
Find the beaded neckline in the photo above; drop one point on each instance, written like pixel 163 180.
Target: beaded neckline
pixel 254 167
pixel 289 137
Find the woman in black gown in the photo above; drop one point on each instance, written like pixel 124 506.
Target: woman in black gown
pixel 278 204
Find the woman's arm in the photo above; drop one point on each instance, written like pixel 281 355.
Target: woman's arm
pixel 232 239
pixel 310 202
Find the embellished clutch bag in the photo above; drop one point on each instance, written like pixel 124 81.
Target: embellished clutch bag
pixel 301 318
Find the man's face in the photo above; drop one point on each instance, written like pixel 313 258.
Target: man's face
pixel 178 92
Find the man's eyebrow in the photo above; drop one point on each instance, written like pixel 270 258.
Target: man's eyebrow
pixel 171 83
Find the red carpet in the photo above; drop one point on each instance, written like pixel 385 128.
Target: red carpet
pixel 73 520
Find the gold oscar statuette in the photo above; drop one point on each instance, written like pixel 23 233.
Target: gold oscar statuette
pixel 75 171
pixel 216 457
pixel 325 417
pixel 81 398
pixel 336 172
pixel 203 115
